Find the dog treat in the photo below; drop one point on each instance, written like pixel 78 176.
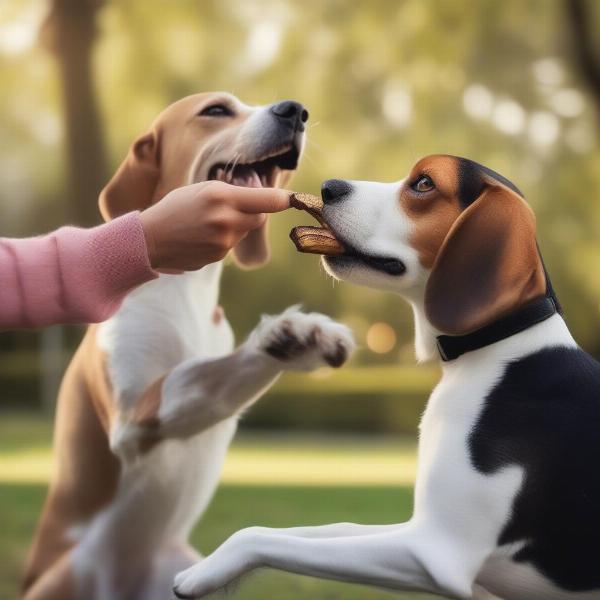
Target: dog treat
pixel 316 240
pixel 313 240
pixel 313 205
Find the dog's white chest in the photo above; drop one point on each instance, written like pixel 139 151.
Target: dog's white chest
pixel 161 324
pixel 445 467
pixel 168 321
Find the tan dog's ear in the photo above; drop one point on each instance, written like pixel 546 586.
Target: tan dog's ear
pixel 487 266
pixel 253 251
pixel 133 185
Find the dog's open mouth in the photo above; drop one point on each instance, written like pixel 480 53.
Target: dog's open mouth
pixel 322 240
pixel 260 173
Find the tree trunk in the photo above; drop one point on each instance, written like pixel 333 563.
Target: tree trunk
pixel 585 50
pixel 69 32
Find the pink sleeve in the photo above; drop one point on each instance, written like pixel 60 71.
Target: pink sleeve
pixel 72 275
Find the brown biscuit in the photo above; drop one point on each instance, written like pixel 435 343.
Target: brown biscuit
pixel 316 240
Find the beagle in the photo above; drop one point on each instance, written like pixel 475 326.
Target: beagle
pixel 508 489
pixel 151 400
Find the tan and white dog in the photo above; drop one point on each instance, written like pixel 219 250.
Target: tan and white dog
pixel 507 494
pixel 151 400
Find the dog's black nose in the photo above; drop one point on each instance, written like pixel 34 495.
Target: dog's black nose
pixel 334 190
pixel 292 112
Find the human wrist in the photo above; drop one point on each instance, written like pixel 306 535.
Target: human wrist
pixel 150 237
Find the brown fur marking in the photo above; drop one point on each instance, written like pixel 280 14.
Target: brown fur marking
pixel 147 406
pixel 88 472
pixel 218 315
pixel 57 583
pixel 432 213
pixel 488 265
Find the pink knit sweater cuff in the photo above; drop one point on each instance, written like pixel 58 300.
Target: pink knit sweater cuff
pixel 72 275
pixel 103 264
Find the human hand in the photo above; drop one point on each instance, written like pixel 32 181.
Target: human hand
pixel 198 224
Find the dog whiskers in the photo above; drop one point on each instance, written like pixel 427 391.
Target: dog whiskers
pixel 229 171
pixel 309 158
pixel 236 160
pixel 315 145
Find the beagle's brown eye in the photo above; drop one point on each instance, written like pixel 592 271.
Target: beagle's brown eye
pixel 423 183
pixel 216 110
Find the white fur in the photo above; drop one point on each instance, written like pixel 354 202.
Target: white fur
pixel 449 546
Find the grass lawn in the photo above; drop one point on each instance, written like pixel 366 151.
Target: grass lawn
pixel 337 479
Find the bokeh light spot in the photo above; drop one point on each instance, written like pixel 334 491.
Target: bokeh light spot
pixel 509 117
pixel 478 101
pixel 381 338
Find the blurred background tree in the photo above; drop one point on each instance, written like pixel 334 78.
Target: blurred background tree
pixel 513 85
pixel 69 32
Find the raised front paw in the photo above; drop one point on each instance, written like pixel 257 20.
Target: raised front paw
pixel 304 341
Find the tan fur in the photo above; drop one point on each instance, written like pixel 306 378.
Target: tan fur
pixel 464 292
pixel 488 265
pixel 86 471
pixel 218 315
pixel 56 584
pixel 167 156
pixel 146 408
pixel 432 214
pixel 160 160
pixel 145 414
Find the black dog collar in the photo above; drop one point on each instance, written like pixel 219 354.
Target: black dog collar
pixel 534 312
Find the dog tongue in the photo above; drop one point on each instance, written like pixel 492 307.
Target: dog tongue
pixel 246 177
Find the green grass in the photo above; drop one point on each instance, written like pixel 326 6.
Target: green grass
pixel 235 505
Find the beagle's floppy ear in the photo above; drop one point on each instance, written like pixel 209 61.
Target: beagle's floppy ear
pixel 487 266
pixel 133 185
pixel 253 251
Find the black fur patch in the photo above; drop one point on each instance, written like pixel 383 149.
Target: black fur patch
pixel 286 345
pixel 544 415
pixel 338 358
pixel 471 182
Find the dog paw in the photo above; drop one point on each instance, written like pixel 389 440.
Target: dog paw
pixel 220 571
pixel 304 341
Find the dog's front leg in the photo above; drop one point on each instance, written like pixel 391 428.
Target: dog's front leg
pixel 401 557
pixel 200 393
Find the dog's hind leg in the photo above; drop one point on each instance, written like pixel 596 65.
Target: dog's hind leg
pixel 409 557
pixel 480 593
pixel 56 583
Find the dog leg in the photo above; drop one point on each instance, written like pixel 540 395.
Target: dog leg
pixel 56 583
pixel 480 593
pixel 332 530
pixel 405 557
pixel 197 394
